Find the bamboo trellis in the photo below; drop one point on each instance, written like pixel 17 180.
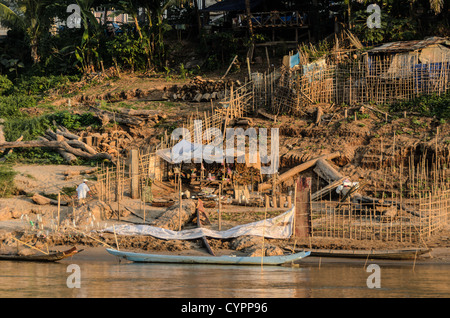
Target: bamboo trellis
pixel 237 103
pixel 372 79
pixel 427 215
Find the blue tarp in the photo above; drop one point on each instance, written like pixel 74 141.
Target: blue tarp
pixel 294 60
pixel 232 5
pixel 423 73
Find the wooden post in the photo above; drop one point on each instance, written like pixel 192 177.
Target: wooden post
pixel 59 208
pixel 220 207
pixel 134 173
pixel 118 188
pixel 115 236
pixel 179 196
pixel 144 210
pixel 249 70
pixel 303 208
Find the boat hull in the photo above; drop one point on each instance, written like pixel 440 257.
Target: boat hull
pixel 218 260
pixel 52 257
pixel 373 254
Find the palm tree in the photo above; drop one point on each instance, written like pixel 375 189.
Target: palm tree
pixel 29 16
pixel 437 5
pixel 248 13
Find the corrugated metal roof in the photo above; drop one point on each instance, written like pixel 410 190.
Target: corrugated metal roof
pixel 408 46
pixel 231 5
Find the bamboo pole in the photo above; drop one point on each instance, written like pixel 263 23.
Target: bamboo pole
pixel 19 241
pixel 59 208
pixel 179 197
pixel 263 251
pixel 115 237
pixel 220 207
pixel 105 244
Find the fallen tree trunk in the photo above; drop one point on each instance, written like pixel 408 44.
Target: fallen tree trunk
pixel 77 173
pixel 55 145
pixel 107 116
pixel 67 156
pixel 296 170
pixel 41 200
pixel 67 134
pixel 326 171
pixel 81 145
pixel 9 150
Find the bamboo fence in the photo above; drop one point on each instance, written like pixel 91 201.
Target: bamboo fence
pixel 422 218
pixel 370 79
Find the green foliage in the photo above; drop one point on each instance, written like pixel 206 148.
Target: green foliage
pixel 38 85
pixel 10 105
pixel 34 156
pixel 74 121
pixel 5 84
pixel 427 105
pixel 221 48
pixel 33 127
pixel 28 127
pixel 7 187
pixel 129 50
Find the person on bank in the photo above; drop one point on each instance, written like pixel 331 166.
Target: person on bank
pixel 82 191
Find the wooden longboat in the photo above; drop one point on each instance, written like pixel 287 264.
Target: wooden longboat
pixel 399 254
pixel 51 257
pixel 216 260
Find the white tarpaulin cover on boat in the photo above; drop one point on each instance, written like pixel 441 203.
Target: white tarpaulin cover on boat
pixel 279 227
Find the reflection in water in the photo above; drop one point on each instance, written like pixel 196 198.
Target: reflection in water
pixel 104 279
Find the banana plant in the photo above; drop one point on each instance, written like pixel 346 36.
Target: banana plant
pixel 29 16
pixel 87 52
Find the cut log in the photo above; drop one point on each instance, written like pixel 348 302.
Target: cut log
pixel 267 115
pixel 67 156
pixel 67 134
pixel 82 145
pixel 140 112
pixel 198 98
pixel 107 116
pixel 79 172
pixel 2 134
pixel 296 170
pixel 41 200
pixel 319 115
pixel 326 171
pixel 9 150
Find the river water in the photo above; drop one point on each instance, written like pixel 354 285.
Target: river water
pixel 115 280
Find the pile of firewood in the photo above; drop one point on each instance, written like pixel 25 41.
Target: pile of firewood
pixel 201 90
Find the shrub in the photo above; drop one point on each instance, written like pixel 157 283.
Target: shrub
pixel 10 105
pixel 427 105
pixel 5 84
pixel 7 186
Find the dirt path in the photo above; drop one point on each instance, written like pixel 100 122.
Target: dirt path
pixel 48 179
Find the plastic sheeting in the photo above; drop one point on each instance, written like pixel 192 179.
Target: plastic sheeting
pixel 185 151
pixel 279 227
